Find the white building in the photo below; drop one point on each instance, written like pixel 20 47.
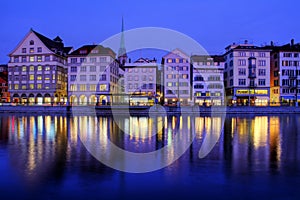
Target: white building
pixel 93 75
pixel 208 86
pixel 37 72
pixel 177 78
pixel 140 82
pixel 285 74
pixel 247 74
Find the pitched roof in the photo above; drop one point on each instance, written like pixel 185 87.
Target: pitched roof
pixel 93 50
pixel 287 47
pixel 56 45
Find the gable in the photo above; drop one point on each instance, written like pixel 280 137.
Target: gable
pixel 25 43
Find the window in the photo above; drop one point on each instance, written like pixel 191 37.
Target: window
pixel 242 71
pixel 231 63
pixel 31 42
pixel 47 58
pixel 24 59
pixel 39 86
pixel 198 78
pixel 83 68
pixel 261 63
pixel 103 77
pixel 84 51
pixel 92 77
pixel 39 58
pixel 103 87
pixel 261 81
pixel 169 60
pixel 82 60
pixel 214 78
pixel 136 78
pixel 73 69
pixel 95 51
pixel 16 59
pixel 242 62
pixel 31 86
pixel 39 49
pixel 82 87
pixel 261 72
pixel 39 77
pixel 242 54
pixel 73 87
pixel 252 54
pixel 92 68
pixel 40 68
pixel 93 87
pixel 24 87
pixel 24 68
pixel 242 81
pixel 102 59
pixel 23 50
pixel 31 58
pixel 16 86
pixel 150 78
pixel 31 68
pixel 31 77
pixel 82 77
pixel 47 68
pixel 231 72
pixel 73 60
pixel 93 60
pixel 31 50
pixel 73 77
pixel 262 54
pixel 287 55
pixel 198 86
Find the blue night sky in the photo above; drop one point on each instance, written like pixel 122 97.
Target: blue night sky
pixel 213 23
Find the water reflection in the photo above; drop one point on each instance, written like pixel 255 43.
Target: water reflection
pixel 43 148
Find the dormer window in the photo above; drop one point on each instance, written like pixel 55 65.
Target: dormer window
pixel 31 42
pixel 83 51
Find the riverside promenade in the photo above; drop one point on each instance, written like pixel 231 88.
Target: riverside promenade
pixel 145 110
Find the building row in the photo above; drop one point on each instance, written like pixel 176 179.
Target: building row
pixel 45 71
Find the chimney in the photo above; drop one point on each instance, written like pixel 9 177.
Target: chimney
pixel 246 41
pixel 272 43
pixel 292 42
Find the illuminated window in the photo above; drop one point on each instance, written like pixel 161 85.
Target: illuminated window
pixel 39 86
pixel 103 87
pixel 73 87
pixel 93 87
pixel 39 77
pixel 24 87
pixel 169 60
pixel 53 77
pixel 47 86
pixel 31 58
pixel 31 50
pixel 39 68
pixel 82 87
pixel 39 58
pixel 177 60
pixel 24 68
pixel 31 68
pixel 31 86
pixel 47 68
pixel 31 77
pixel 16 86
pixel 47 77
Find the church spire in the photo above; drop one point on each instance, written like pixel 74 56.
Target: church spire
pixel 122 55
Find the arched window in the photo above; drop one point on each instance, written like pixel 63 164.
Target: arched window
pixel 31 42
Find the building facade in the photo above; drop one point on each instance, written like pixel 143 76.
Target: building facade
pixel 4 94
pixel 140 82
pixel 247 75
pixel 37 72
pixel 93 75
pixel 208 86
pixel 285 74
pixel 177 85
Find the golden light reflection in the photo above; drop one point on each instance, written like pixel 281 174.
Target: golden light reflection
pixel 259 128
pixel 275 138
